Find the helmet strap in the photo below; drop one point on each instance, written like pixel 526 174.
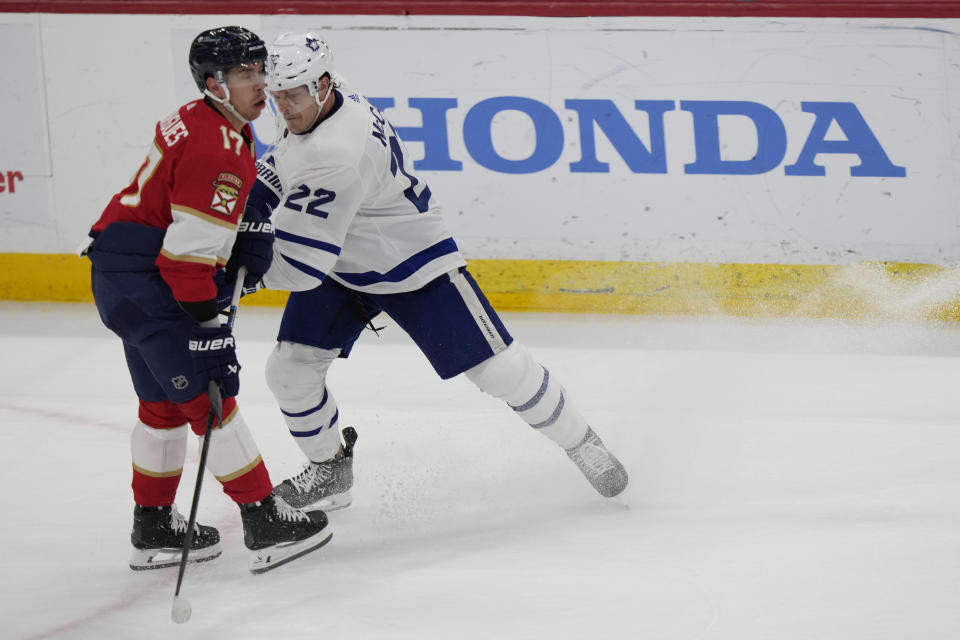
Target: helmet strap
pixel 226 100
pixel 319 100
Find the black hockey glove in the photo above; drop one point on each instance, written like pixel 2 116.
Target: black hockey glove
pixel 225 289
pixel 252 249
pixel 215 358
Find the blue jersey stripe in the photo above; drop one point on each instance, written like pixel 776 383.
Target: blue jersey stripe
pixel 403 270
pixel 307 242
pixel 307 269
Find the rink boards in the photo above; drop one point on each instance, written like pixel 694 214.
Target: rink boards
pixel 900 291
pixel 758 165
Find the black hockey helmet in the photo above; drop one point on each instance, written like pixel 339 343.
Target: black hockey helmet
pixel 215 51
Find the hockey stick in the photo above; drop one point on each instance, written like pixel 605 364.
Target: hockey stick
pixel 181 609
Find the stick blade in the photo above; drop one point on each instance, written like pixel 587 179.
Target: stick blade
pixel 181 610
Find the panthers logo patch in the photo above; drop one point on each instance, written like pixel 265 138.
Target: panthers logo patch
pixel 226 190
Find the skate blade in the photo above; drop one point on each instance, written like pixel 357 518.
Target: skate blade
pixel 332 503
pixel 619 501
pixel 263 560
pixel 147 559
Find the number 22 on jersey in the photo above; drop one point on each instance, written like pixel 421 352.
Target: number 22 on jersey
pixel 312 206
pixel 422 200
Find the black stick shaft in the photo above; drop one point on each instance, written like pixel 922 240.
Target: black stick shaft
pixel 216 411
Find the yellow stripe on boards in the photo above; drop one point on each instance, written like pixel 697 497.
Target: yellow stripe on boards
pixel 893 290
pixel 41 276
pixel 866 289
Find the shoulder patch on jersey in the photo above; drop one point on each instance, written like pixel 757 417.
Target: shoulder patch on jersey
pixel 226 189
pixel 354 97
pixel 231 178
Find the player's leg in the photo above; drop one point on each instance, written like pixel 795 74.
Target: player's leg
pixel 274 531
pixel 139 308
pixel 541 401
pixel 452 310
pixel 318 326
pixel 158 448
pixel 164 372
pixel 158 440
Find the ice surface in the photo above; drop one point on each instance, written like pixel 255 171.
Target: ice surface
pixel 789 480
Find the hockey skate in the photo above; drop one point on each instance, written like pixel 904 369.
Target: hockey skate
pixel 157 538
pixel 277 533
pixel 323 485
pixel 600 467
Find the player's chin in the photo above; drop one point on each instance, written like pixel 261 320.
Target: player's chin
pixel 293 123
pixel 254 110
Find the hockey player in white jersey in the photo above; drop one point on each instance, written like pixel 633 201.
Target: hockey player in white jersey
pixel 359 233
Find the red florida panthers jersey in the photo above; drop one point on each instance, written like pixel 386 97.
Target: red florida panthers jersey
pixel 194 183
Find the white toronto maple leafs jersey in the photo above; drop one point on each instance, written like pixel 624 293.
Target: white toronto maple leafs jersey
pixel 347 204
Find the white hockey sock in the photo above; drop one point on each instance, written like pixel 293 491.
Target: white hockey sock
pixel 296 374
pixel 233 451
pixel 315 429
pixel 158 452
pixel 528 388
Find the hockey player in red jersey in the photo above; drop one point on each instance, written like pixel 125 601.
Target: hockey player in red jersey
pixel 158 252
